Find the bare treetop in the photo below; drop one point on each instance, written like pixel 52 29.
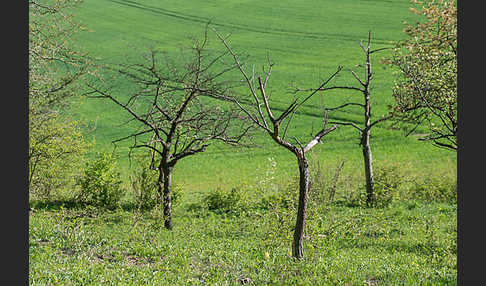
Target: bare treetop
pixel 178 107
pixel 264 117
pixel 176 103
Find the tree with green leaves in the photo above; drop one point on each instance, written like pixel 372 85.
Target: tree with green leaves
pixel 425 90
pixel 55 70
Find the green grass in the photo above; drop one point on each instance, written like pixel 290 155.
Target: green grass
pixel 410 242
pixel 306 40
pixel 405 244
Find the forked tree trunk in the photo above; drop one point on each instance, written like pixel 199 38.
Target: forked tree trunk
pixel 297 246
pixel 164 189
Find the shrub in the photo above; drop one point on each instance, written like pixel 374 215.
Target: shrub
pixel 222 201
pixel 100 182
pixel 279 200
pixel 387 181
pixel 324 184
pixel 144 183
pixel 56 151
pixel 144 186
pixel 438 189
pixel 177 194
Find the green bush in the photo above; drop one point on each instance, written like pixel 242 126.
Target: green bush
pixel 177 194
pixel 279 200
pixel 100 182
pixel 434 189
pixel 222 201
pixel 56 151
pixel 388 179
pixel 144 182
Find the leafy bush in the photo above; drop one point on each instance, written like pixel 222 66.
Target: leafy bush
pixel 387 181
pixel 223 201
pixel 144 182
pixel 279 200
pixel 100 183
pixel 324 184
pixel 177 194
pixel 438 189
pixel 56 151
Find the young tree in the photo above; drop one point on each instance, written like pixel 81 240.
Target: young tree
pixel 363 87
pixel 176 105
pixel 55 70
pixel 425 90
pixel 276 128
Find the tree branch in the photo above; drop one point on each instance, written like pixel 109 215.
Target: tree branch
pixel 318 138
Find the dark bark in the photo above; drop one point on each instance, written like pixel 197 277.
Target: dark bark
pixel 164 190
pixel 273 130
pixel 297 245
pixel 365 137
pixel 368 165
pixel 174 121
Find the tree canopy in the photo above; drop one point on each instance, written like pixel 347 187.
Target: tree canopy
pixel 425 90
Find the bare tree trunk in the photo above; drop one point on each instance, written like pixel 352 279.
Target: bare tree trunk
pixel 365 135
pixel 164 189
pixel 297 246
pixel 368 164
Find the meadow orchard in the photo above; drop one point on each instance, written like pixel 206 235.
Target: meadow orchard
pixel 242 215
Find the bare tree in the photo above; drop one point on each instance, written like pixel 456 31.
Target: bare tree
pixel 276 127
pixel 363 87
pixel 177 110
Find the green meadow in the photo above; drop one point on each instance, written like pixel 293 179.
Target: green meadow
pixel 409 241
pixel 306 40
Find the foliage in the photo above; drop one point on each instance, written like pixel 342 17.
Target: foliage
pixel 56 151
pixel 144 183
pixel 325 180
pixel 101 183
pixel 278 200
pixel 223 201
pixel 425 90
pixel 54 65
pixel 177 193
pixel 56 144
pixel 388 179
pixel 434 189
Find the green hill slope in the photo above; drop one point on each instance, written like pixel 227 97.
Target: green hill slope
pixel 306 40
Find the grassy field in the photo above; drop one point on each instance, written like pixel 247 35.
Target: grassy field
pixel 408 242
pixel 306 41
